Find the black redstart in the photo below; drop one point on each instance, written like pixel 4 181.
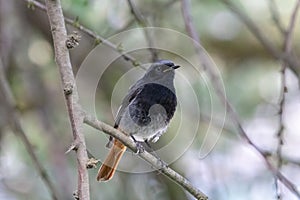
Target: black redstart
pixel 145 112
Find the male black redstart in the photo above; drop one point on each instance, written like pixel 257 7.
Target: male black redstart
pixel 145 112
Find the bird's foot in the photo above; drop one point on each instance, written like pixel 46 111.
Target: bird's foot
pixel 139 146
pixel 161 163
pixel 110 142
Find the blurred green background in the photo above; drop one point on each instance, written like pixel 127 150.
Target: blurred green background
pixel 232 170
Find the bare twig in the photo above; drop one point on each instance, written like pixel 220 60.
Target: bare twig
pixel 156 11
pixel 209 68
pixel 290 29
pixel 281 128
pixel 287 47
pixel 276 17
pixel 13 117
pixel 98 39
pixel 265 42
pixel 285 159
pixel 291 161
pixel 293 188
pixel 62 58
pixel 143 23
pixel 156 163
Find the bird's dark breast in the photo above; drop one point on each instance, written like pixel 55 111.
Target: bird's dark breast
pixel 152 94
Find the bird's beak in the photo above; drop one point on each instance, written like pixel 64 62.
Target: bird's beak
pixel 175 66
pixel 171 68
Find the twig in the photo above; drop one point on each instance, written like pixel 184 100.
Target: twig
pixel 280 131
pixel 19 131
pixel 156 163
pixel 276 17
pixel 266 43
pixel 293 188
pixel 98 39
pixel 63 62
pixel 143 23
pixel 208 67
pixel 290 29
pixel 291 161
pixel 285 159
pixel 157 10
pixel 287 47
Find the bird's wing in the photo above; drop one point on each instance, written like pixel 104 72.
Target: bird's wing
pixel 133 92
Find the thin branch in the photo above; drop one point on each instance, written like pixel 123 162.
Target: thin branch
pixel 291 161
pixel 158 10
pixel 143 23
pixel 63 62
pixel 287 46
pixel 155 162
pixel 285 159
pixel 265 42
pixel 290 29
pixel 276 16
pixel 98 39
pixel 293 188
pixel 209 68
pixel 280 132
pixel 13 117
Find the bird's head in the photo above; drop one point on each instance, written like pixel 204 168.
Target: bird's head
pixel 161 70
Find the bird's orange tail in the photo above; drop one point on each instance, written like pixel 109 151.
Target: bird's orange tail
pixel 109 166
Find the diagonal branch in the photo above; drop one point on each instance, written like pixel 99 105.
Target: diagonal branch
pixel 157 10
pixel 265 42
pixel 63 62
pixel 290 29
pixel 155 162
pixel 98 39
pixel 209 68
pixel 275 16
pixel 143 23
pixel 13 117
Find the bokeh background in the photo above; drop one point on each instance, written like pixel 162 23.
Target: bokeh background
pixel 233 170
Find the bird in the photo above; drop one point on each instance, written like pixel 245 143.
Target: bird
pixel 144 114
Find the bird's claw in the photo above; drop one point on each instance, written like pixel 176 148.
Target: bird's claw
pixel 162 163
pixel 139 147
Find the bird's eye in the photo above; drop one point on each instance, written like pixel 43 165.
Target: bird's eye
pixel 158 69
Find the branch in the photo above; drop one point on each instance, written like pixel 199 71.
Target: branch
pixel 63 62
pixel 158 10
pixel 266 43
pixel 290 29
pixel 98 39
pixel 208 67
pixel 13 117
pixel 143 23
pixel 276 17
pixel 287 46
pixel 292 161
pixel 155 162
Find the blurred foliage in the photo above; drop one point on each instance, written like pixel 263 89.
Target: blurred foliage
pixel 251 78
